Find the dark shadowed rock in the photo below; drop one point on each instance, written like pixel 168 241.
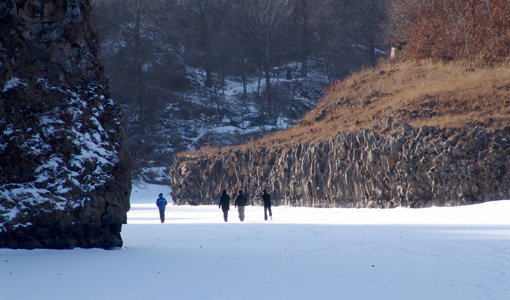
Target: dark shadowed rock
pixel 63 180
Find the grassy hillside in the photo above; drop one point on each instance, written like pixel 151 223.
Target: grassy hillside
pixel 424 93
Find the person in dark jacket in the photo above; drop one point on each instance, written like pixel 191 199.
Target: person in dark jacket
pixel 267 205
pixel 161 203
pixel 240 204
pixel 224 204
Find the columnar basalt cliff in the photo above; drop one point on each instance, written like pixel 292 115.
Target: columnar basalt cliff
pixel 414 167
pixel 63 180
pixel 407 134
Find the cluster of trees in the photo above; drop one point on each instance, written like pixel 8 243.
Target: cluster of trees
pixel 152 48
pixel 232 38
pixel 253 36
pixel 147 44
pixel 477 31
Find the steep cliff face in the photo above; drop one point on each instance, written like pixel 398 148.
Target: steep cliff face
pixel 407 134
pixel 63 183
pixel 410 167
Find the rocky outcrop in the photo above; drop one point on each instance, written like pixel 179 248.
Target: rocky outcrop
pixel 411 167
pixel 63 179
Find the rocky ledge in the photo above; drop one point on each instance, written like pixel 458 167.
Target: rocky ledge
pixel 63 178
pixel 398 166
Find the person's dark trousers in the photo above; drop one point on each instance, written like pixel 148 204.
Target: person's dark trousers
pixel 240 209
pixel 162 215
pixel 225 215
pixel 266 208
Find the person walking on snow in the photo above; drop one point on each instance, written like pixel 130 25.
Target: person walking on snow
pixel 161 203
pixel 267 205
pixel 240 204
pixel 224 204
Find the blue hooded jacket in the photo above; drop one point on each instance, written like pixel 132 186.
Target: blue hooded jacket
pixel 161 202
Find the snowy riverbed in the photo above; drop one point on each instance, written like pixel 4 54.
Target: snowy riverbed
pixel 304 253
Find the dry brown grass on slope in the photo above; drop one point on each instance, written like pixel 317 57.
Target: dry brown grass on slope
pixel 425 93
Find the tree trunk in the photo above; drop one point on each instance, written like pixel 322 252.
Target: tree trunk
pixel 371 49
pixel 243 76
pixel 304 39
pixel 208 75
pixel 205 43
pixel 259 80
pixel 268 77
pixel 139 66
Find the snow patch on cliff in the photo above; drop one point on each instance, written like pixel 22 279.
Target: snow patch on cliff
pixel 59 178
pixel 12 83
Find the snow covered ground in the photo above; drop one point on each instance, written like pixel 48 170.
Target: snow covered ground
pixel 304 253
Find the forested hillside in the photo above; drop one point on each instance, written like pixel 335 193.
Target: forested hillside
pixel 428 127
pixel 405 134
pixel 220 72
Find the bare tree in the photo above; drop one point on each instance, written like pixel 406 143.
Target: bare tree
pixel 139 60
pixel 302 12
pixel 257 21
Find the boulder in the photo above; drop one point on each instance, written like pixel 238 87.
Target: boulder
pixel 64 181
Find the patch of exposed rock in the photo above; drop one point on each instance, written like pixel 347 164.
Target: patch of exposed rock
pixel 411 167
pixel 63 183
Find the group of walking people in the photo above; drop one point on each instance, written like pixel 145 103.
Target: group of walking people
pixel 240 204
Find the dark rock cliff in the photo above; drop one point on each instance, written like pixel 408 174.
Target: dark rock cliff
pixel 63 180
pixel 412 167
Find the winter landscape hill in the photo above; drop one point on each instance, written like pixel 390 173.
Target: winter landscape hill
pixel 432 129
pixel 400 134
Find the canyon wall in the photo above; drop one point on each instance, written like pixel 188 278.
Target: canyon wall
pixel 397 166
pixel 63 177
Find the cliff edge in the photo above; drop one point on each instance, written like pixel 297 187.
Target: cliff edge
pixel 63 182
pixel 412 134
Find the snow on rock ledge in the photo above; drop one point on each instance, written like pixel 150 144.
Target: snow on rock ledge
pixel 63 179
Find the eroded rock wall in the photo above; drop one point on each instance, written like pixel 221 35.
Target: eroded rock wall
pixel 411 167
pixel 63 179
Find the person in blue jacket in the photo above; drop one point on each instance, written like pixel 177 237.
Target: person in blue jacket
pixel 161 203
